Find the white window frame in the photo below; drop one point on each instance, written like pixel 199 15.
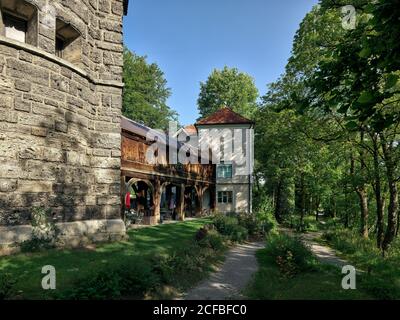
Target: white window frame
pixel 225 196
pixel 224 167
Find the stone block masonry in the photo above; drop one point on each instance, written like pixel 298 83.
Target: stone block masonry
pixel 60 141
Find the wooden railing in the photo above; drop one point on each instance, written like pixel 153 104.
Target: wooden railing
pixel 134 157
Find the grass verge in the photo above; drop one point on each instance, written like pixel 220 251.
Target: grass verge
pixel 281 277
pixel 142 249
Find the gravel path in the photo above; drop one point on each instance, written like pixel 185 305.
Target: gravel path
pixel 323 253
pixel 233 276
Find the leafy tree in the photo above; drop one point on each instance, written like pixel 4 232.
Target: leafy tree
pixel 358 80
pixel 146 92
pixel 340 92
pixel 228 87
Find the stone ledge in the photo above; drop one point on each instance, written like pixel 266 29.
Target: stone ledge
pixel 40 52
pixel 72 234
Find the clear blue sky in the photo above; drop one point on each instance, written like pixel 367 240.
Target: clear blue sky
pixel 189 38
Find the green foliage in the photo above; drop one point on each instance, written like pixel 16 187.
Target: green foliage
pixel 145 93
pixel 36 245
pixel 213 240
pixel 231 88
pixel 6 285
pixel 229 226
pixel 193 259
pixel 74 265
pixel 320 284
pixel 44 232
pixel 265 215
pixel 349 242
pixel 252 224
pixel 382 273
pixel 132 279
pixel 290 255
pixel 139 277
pixel 362 68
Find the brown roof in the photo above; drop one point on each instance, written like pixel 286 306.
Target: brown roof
pixel 224 115
pixel 126 4
pixel 190 129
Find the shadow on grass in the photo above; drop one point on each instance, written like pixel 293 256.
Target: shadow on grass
pixel 76 263
pixel 322 284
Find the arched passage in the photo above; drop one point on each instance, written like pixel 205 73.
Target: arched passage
pixel 170 201
pixel 206 201
pixel 192 202
pixel 141 194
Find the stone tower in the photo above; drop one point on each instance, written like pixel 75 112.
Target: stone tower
pixel 60 107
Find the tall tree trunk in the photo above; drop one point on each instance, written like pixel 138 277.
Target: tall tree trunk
pixel 278 202
pixel 303 201
pixel 362 195
pixel 391 229
pixel 380 201
pixel 360 189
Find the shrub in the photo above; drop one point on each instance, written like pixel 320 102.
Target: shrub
pixel 213 240
pixel 201 234
pixel 381 288
pixel 251 222
pixel 239 234
pixel 132 279
pixel 36 245
pixel 265 214
pixel 382 277
pixel 192 259
pixel 44 232
pixel 350 242
pixel 224 224
pixel 290 254
pixel 6 285
pixel 229 226
pixel 268 222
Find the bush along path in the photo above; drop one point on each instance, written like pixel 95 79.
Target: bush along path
pixel 232 277
pixel 324 254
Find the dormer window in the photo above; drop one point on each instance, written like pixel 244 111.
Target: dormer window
pixel 18 21
pixel 68 42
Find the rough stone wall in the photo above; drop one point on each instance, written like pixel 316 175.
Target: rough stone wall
pixel 60 123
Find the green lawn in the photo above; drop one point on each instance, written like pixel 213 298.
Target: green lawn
pixel 324 284
pixel 76 263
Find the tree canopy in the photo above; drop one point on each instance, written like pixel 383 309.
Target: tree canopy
pixel 228 87
pixel 145 92
pixel 328 129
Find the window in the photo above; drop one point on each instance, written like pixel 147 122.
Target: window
pixel 15 28
pixel 225 196
pixel 68 42
pixel 224 171
pixel 60 45
pixel 18 21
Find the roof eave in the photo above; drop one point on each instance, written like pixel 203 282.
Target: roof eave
pixel 126 4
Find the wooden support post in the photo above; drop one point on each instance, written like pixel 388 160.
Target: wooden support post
pixel 181 202
pixel 157 200
pixel 123 192
pixel 199 202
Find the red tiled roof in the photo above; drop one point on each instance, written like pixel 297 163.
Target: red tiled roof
pixel 190 129
pixel 224 116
